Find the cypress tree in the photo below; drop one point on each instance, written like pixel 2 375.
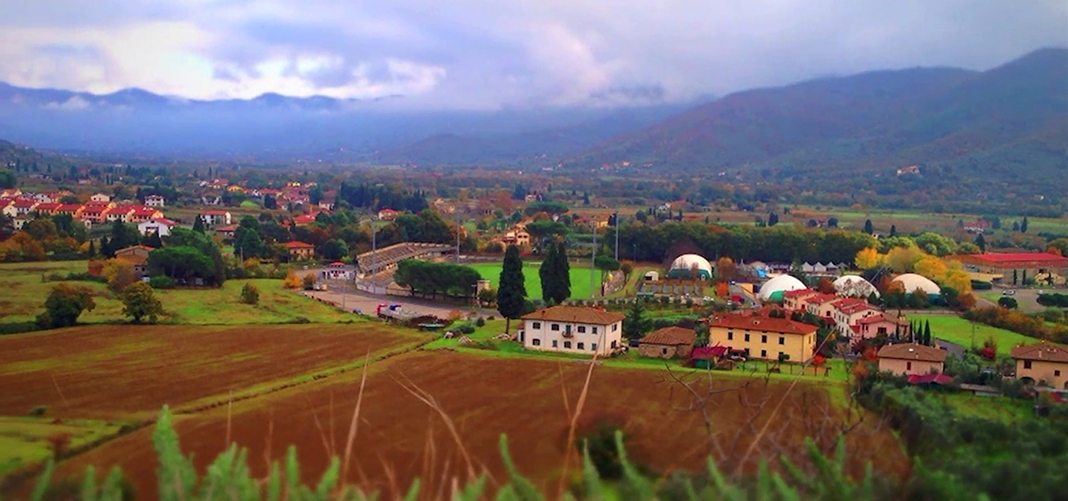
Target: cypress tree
pixel 563 274
pixel 868 227
pixel 893 230
pixel 511 289
pixel 927 333
pixel 547 274
pixel 198 225
pixel 1023 225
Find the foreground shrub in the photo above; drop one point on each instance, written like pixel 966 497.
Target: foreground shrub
pixel 250 294
pixel 64 305
pixel 161 282
pixel 139 302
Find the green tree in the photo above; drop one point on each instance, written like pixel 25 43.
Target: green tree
pixel 334 249
pixel 868 227
pixel 636 325
pixel 980 242
pixel 511 289
pixel 546 275
pixel 269 202
pixel 893 230
pixel 152 240
pixel 555 275
pixel 198 224
pixel 139 302
pixel 64 304
pixel 250 294
pixel 927 333
pixel 1023 225
pixel 1008 303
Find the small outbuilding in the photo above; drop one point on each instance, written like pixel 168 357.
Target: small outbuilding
pixel 669 342
pixel 911 359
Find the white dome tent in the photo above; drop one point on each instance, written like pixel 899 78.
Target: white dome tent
pixel 914 282
pixel 854 286
pixel 690 266
pixel 773 289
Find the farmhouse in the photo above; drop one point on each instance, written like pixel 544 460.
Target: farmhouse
pixel 571 329
pixel 154 201
pixel 847 312
pixel 885 324
pixel 669 342
pixel 215 217
pixel 764 337
pixel 911 359
pixel 100 197
pixel 1042 362
pixel 822 305
pixel 160 226
pixel 518 237
pixel 137 255
pixel 299 251
pixel 387 214
pixel 1017 268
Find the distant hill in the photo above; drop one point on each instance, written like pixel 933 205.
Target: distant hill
pixel 1009 118
pixel 10 153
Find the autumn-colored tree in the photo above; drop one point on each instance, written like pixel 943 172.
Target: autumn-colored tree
pixel 119 274
pixel 966 301
pixel 958 280
pixel 868 258
pixel 292 280
pixel 903 259
pixel 825 285
pixel 139 302
pixel 21 247
pixel 931 267
pixel 308 282
pixel 725 269
pixel 722 289
pixel 58 443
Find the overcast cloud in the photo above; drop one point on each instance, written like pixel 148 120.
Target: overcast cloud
pixel 501 53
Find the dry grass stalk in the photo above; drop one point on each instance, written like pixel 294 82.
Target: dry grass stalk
pixel 573 425
pixel 432 402
pixel 354 423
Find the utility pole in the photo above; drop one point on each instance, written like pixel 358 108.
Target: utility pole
pixel 374 256
pixel 457 235
pixel 593 264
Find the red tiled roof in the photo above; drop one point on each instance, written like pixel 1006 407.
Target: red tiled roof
pixel 929 379
pixel 164 221
pixel 707 352
pixel 1019 258
pixel 1041 351
pixel 823 298
pixel 799 293
pixel 780 325
pixel 304 219
pixel 575 314
pixel 911 351
pixel 144 211
pixel 299 245
pixel 851 308
pixel 670 336
pixel 22 202
pixel 69 207
pixel 882 317
pixel 214 213
pixel 47 206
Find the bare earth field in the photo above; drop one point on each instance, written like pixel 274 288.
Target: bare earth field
pixel 486 397
pixel 118 371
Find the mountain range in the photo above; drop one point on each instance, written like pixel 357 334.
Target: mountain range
pixel 1013 117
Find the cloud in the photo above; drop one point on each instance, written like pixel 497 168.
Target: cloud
pixel 499 53
pixel 76 103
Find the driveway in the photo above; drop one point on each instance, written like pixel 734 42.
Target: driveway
pixel 345 296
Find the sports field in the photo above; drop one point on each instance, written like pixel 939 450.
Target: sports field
pixel 404 436
pixel 581 283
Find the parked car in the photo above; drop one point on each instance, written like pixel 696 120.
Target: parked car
pixel 1010 292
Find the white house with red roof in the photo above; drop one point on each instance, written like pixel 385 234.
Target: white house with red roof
pixel 161 226
pixel 883 324
pixel 7 208
pixel 796 300
pixel 387 214
pixel 215 217
pixel 24 206
pixel 822 305
pixel 141 214
pixel 847 312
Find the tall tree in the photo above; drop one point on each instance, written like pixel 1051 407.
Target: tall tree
pixel 927 333
pixel 1023 225
pixel 893 230
pixel 980 242
pixel 562 274
pixel 511 288
pixel 868 227
pixel 546 272
pixel 139 302
pixel 198 224
pixel 635 325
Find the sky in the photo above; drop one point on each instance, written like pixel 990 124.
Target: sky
pixel 493 54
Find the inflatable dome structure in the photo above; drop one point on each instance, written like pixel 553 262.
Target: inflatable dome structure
pixel 690 266
pixel 854 286
pixel 914 282
pixel 773 289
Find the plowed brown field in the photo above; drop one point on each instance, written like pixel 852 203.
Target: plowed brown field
pixel 115 372
pixel 486 397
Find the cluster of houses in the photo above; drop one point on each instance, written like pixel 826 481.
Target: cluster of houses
pixel 100 209
pixel 752 335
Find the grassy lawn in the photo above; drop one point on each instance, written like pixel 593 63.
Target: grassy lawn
pixel 958 330
pixel 24 440
pixel 996 408
pixel 581 285
pixel 25 294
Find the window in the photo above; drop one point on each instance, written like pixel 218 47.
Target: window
pixel 1057 373
pixel 1027 364
pixel 593 347
pixel 782 340
pixel 595 330
pixel 747 338
pixel 665 351
pixel 536 325
pixel 582 346
pixel 764 339
pixel 615 327
pixel 730 336
pixel 582 329
pixel 763 353
pixel 555 327
pixel 567 345
pixel 614 344
pixel 908 366
pixel 535 342
pixel 555 344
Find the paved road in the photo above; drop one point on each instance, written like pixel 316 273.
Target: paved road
pixel 347 297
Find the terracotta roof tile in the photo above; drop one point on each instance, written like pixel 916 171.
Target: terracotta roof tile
pixel 778 325
pixel 910 351
pixel 1047 352
pixel 575 314
pixel 670 336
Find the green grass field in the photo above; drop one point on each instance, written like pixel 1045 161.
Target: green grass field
pixel 996 408
pixel 581 285
pixel 24 440
pixel 26 293
pixel 958 330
